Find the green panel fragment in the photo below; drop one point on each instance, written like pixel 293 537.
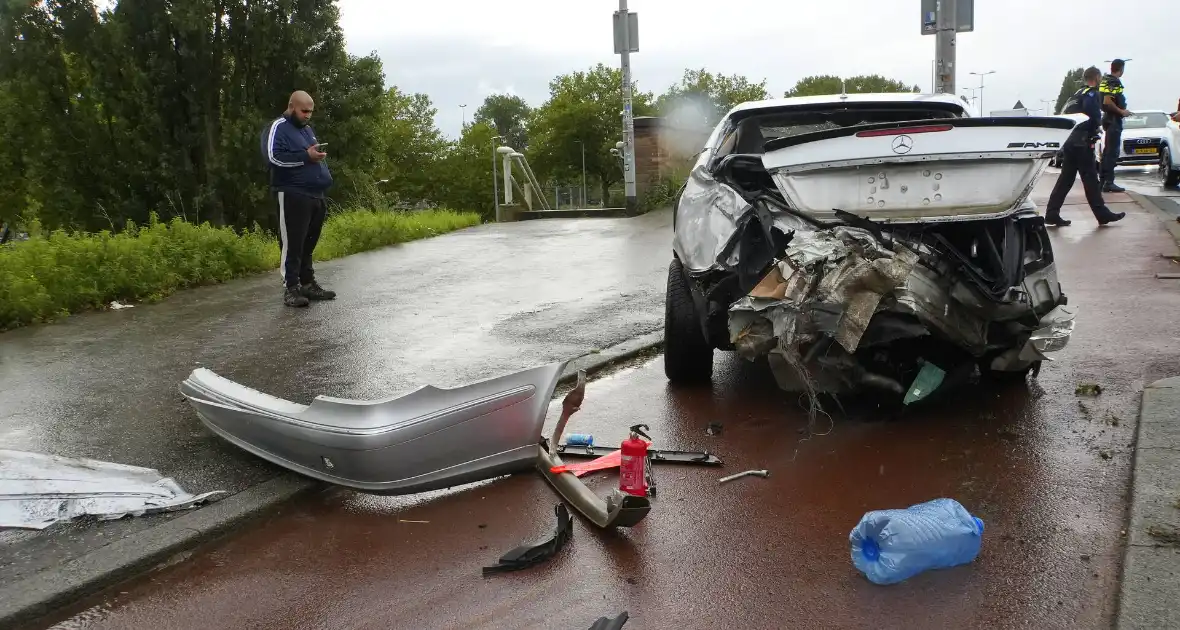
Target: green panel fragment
pixel 928 380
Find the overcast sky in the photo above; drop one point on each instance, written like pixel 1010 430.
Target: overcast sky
pixel 460 51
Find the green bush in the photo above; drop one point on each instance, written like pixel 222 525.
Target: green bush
pixel 50 276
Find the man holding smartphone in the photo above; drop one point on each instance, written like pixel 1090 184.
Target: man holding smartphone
pixel 298 178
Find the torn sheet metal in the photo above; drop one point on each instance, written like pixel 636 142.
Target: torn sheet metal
pixel 706 219
pixel 38 490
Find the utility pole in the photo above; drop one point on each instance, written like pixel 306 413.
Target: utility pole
pixel 1047 101
pixel 626 42
pixel 944 46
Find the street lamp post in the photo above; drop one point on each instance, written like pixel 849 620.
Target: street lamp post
pixel 495 182
pixel 583 144
pixel 463 108
pixel 1046 101
pixel 980 88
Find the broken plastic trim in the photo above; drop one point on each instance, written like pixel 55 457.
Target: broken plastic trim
pixel 606 623
pixel 526 556
pixel 618 509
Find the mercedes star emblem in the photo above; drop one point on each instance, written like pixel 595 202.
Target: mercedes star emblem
pixel 902 144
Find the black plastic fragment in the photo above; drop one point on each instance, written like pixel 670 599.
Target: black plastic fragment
pixel 714 428
pixel 606 623
pixel 659 456
pixel 526 556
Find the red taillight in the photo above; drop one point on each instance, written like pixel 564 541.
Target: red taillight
pixel 903 130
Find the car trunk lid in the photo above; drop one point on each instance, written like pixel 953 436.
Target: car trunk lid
pixel 932 170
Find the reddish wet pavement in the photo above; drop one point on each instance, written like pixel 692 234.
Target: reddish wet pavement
pixel 1046 470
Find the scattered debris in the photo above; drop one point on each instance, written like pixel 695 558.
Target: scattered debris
pixel 618 509
pixel 580 439
pixel 928 380
pixel 1086 557
pixel 1088 389
pixel 714 428
pixel 1167 276
pixel 38 490
pixel 757 473
pixel 118 306
pixel 1112 419
pixel 402 520
pixel 1104 454
pixel 1165 534
pixel 604 623
pixel 528 555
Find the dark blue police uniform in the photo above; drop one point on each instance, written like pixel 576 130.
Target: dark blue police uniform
pixel 1112 124
pixel 1077 157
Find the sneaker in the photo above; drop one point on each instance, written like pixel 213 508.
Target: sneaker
pixel 1111 218
pixel 1058 221
pixel 292 297
pixel 313 291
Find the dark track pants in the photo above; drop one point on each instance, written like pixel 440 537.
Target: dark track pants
pixel 301 218
pixel 1075 160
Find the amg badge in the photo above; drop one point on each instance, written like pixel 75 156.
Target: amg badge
pixel 1034 145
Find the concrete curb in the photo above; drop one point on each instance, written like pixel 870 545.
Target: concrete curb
pixel 1151 568
pixel 1170 223
pixel 86 575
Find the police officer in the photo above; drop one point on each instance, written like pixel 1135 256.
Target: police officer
pixel 1077 156
pixel 1114 105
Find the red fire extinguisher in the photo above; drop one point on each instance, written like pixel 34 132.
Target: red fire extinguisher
pixel 633 462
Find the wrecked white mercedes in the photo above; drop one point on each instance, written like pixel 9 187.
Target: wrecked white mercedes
pixel 867 242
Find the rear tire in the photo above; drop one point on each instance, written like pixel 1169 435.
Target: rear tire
pixel 1169 173
pixel 688 357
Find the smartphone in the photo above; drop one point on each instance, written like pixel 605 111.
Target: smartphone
pixel 320 146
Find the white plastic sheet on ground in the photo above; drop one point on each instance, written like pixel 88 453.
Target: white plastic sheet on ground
pixel 38 490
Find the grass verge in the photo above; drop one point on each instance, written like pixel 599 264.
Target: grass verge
pixel 54 275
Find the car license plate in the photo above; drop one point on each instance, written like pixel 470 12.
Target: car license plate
pixel 1146 150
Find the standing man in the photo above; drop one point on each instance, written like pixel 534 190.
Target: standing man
pixel 1077 156
pixel 1114 104
pixel 298 179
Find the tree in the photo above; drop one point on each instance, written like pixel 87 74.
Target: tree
pixel 861 84
pixel 584 110
pixel 1069 85
pixel 409 145
pixel 701 98
pixel 465 172
pixel 508 114
pixel 159 105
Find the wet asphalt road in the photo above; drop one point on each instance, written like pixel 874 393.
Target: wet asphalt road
pixel 1047 471
pixel 442 311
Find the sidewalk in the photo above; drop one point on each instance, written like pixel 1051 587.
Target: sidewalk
pixel 442 311
pixel 1150 579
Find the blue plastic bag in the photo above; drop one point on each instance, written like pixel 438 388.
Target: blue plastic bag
pixel 889 546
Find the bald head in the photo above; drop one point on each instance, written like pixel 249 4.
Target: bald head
pixel 300 106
